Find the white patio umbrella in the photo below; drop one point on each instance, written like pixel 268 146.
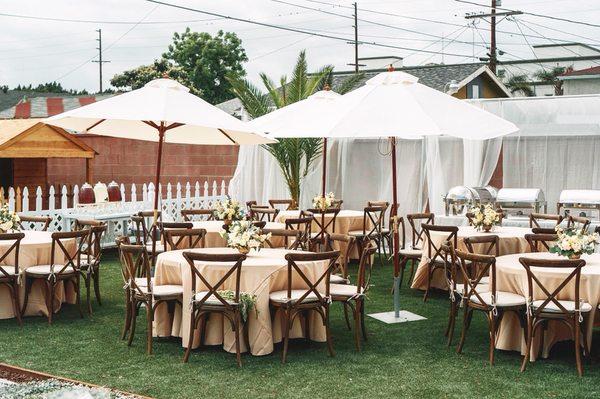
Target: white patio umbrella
pixel 163 111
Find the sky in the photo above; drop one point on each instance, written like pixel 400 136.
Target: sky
pixel 135 32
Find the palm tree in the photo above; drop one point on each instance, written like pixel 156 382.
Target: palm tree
pixel 520 83
pixel 294 155
pixel 551 76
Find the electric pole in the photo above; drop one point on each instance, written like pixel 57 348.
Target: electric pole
pixel 355 42
pixel 100 61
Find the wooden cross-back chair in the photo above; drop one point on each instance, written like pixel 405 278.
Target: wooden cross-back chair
pixel 26 221
pixel 293 302
pixel 540 242
pixel 261 224
pixel 142 290
pixel 353 296
pixel 291 238
pixel 578 222
pixel 386 229
pixel 184 238
pixel 264 214
pixel 536 218
pixel 9 271
pixel 416 222
pixel 410 254
pixel 371 229
pixel 572 313
pixel 325 221
pixel 208 298
pixel 337 203
pixel 481 294
pixel 488 244
pixel 288 204
pixel 68 271
pixel 435 255
pixel 151 237
pixel 189 215
pixel 90 261
pixel 304 225
pixel 339 275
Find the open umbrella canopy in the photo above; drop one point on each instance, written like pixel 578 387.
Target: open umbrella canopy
pixel 394 104
pixel 138 113
pixel 311 117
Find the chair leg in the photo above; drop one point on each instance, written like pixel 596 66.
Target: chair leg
pixel 577 330
pixel 188 349
pixel 346 316
pixel 14 292
pixel 285 316
pixel 492 327
pixel 451 322
pixel 149 319
pixel 328 333
pixel 357 323
pixel 87 282
pixel 128 316
pixel 237 325
pixel 529 335
pixel 307 327
pixel 466 322
pixel 363 327
pixel 133 322
pixel 28 284
pixel 429 275
pixel 76 285
pixel 96 281
pixel 50 300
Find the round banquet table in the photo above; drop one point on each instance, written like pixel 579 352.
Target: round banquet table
pixel 512 277
pixel 512 241
pixel 347 220
pixel 213 239
pixel 35 250
pixel 263 272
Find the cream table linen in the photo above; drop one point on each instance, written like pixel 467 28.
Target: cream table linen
pixel 512 277
pixel 512 241
pixel 35 250
pixel 213 239
pixel 262 273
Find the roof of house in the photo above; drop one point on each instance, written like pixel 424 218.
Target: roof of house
pixel 583 72
pixel 45 106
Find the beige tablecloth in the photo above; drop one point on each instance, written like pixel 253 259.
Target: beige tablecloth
pixel 35 250
pixel 262 273
pixel 512 241
pixel 212 239
pixel 512 277
pixel 347 220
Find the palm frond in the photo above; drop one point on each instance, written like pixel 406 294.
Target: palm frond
pixel 254 101
pixel 274 94
pixel 317 80
pixel 349 83
pixel 299 77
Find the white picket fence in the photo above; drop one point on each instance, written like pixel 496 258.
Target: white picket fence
pixel 62 204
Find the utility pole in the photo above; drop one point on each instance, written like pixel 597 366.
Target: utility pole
pixel 100 61
pixel 355 42
pixel 492 57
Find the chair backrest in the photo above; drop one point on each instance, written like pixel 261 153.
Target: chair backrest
pixel 540 242
pixel 434 250
pixel 250 204
pixel 416 222
pixel 291 238
pixel 304 225
pixel 264 214
pixel 543 230
pixel 203 214
pixel 295 259
pixel 27 221
pixel 578 222
pixel 473 267
pixel 337 203
pixel 135 263
pixel 365 267
pixel 341 264
pixel 71 258
pixel 324 219
pixel 261 224
pixel 143 235
pixel 212 289
pixel 97 230
pixel 383 204
pixel 14 240
pixel 373 221
pixel 288 203
pixel 174 225
pixel 535 218
pixel 551 297
pixel 183 238
pixel 485 245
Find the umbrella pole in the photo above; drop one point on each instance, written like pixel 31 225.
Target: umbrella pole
pixel 161 138
pixel 395 232
pixel 323 183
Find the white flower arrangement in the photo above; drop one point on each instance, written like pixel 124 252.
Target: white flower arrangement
pixel 572 243
pixel 244 236
pixel 484 217
pixel 8 220
pixel 323 203
pixel 229 210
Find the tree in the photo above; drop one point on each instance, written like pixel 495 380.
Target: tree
pixel 197 60
pixel 520 83
pixel 51 87
pixel 551 76
pixel 294 155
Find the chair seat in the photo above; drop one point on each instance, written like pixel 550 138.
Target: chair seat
pixel 343 290
pixel 10 270
pixel 143 282
pixel 281 296
pixel 84 261
pixel 212 300
pixel 159 247
pixel 503 299
pixel 485 280
pixel 45 270
pixel 164 290
pixel 551 307
pixel 337 279
pixel 481 288
pixel 411 252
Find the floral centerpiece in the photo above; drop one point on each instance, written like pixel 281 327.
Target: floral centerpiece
pixel 484 217
pixel 572 243
pixel 8 220
pixel 323 203
pixel 244 236
pixel 228 211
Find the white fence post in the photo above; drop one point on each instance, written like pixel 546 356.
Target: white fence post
pixel 188 194
pixel 122 189
pixel 11 199
pixel 63 198
pixel 38 199
pixel 51 198
pixel 75 195
pixel 133 194
pixel 25 203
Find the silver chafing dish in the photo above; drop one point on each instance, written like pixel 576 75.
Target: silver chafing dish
pixel 521 201
pixel 459 199
pixel 579 202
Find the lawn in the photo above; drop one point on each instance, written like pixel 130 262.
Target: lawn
pixel 402 360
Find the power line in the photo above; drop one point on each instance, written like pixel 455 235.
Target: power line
pixel 534 14
pixel 285 28
pixel 279 49
pixel 594 41
pixel 95 21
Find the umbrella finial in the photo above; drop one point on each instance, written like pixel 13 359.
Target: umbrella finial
pixel 391 68
pixel 326 87
pixel 165 75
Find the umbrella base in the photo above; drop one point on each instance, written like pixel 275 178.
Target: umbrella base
pixel 390 317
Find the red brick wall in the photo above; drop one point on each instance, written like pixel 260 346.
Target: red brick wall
pixel 132 161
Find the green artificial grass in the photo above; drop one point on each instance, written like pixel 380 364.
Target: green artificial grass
pixel 401 360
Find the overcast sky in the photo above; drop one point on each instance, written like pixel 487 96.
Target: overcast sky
pixel 36 51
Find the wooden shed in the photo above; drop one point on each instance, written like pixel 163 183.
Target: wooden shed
pixel 26 145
